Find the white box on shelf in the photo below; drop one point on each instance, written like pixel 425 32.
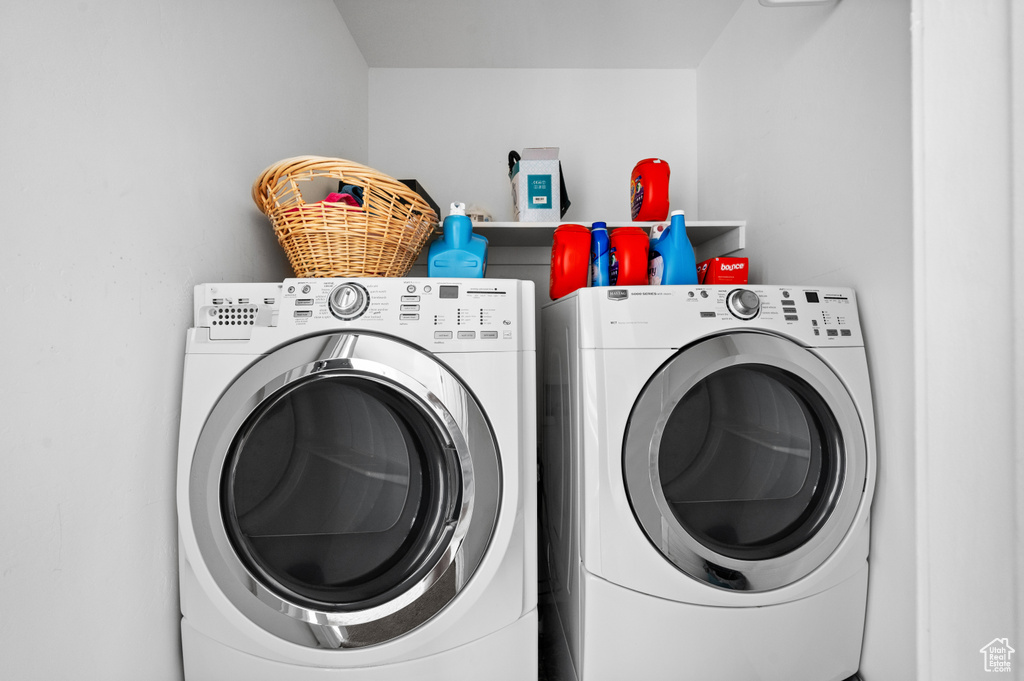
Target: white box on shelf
pixel 536 185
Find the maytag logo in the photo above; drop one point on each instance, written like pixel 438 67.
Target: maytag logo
pixel 618 294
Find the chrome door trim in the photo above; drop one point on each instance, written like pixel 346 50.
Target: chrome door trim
pixel 642 442
pixel 439 394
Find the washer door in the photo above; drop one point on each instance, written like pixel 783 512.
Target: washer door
pixel 745 461
pixel 352 497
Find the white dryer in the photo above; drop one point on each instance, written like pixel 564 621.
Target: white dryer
pixel 707 467
pixel 357 481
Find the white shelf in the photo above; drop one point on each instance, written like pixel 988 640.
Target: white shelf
pixel 709 238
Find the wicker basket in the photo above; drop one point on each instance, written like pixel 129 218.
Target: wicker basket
pixel 380 239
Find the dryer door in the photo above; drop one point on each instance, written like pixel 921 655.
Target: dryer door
pixel 349 482
pixel 745 461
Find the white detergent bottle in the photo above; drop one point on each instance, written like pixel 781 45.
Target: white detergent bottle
pixel 655 262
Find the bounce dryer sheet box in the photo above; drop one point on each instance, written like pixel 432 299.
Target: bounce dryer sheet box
pixel 722 271
pixel 535 186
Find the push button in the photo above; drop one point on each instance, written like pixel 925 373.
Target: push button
pixel 488 335
pixel 467 335
pixel 442 335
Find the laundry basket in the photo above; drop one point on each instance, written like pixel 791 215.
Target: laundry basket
pixel 381 238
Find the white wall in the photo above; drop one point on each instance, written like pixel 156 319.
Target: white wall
pixel 805 131
pixel 130 134
pixel 969 264
pixel 453 128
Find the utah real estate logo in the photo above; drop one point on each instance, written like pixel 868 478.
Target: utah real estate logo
pixel 998 654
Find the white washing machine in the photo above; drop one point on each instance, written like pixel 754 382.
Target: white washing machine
pixel 357 481
pixel 707 467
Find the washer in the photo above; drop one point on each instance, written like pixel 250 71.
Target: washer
pixel 357 481
pixel 707 467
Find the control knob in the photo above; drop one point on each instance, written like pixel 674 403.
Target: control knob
pixel 348 301
pixel 743 303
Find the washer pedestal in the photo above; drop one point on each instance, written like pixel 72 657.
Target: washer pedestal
pixel 506 655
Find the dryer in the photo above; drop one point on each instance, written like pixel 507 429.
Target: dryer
pixel 357 481
pixel 707 467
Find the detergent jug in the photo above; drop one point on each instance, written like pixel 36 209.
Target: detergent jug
pixel 628 257
pixel 648 190
pixel 570 260
pixel 671 259
pixel 458 252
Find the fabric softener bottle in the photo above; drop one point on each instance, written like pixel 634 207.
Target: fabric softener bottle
pixel 599 255
pixel 655 263
pixel 458 252
pixel 678 265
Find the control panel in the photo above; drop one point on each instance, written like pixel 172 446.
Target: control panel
pixel 822 313
pixel 473 314
pixel 660 315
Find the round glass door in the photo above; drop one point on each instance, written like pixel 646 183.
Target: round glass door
pixel 344 489
pixel 749 462
pixel 338 490
pixel 742 457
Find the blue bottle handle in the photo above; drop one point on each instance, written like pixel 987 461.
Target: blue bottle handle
pixel 458 230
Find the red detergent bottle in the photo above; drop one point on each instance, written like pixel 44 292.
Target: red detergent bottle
pixel 628 265
pixel 648 190
pixel 570 260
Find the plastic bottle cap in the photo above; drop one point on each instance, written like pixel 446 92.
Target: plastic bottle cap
pixel 600 225
pixel 457 209
pixel 679 212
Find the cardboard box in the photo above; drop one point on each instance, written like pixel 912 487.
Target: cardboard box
pixel 418 188
pixel 536 186
pixel 723 271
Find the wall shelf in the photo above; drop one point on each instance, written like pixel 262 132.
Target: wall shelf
pixel 709 238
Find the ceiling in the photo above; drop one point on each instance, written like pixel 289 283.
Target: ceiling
pixel 599 34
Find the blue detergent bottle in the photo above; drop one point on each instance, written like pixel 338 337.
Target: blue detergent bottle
pixel 678 264
pixel 458 252
pixel 599 255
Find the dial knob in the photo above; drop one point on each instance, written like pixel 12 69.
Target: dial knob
pixel 348 301
pixel 743 303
